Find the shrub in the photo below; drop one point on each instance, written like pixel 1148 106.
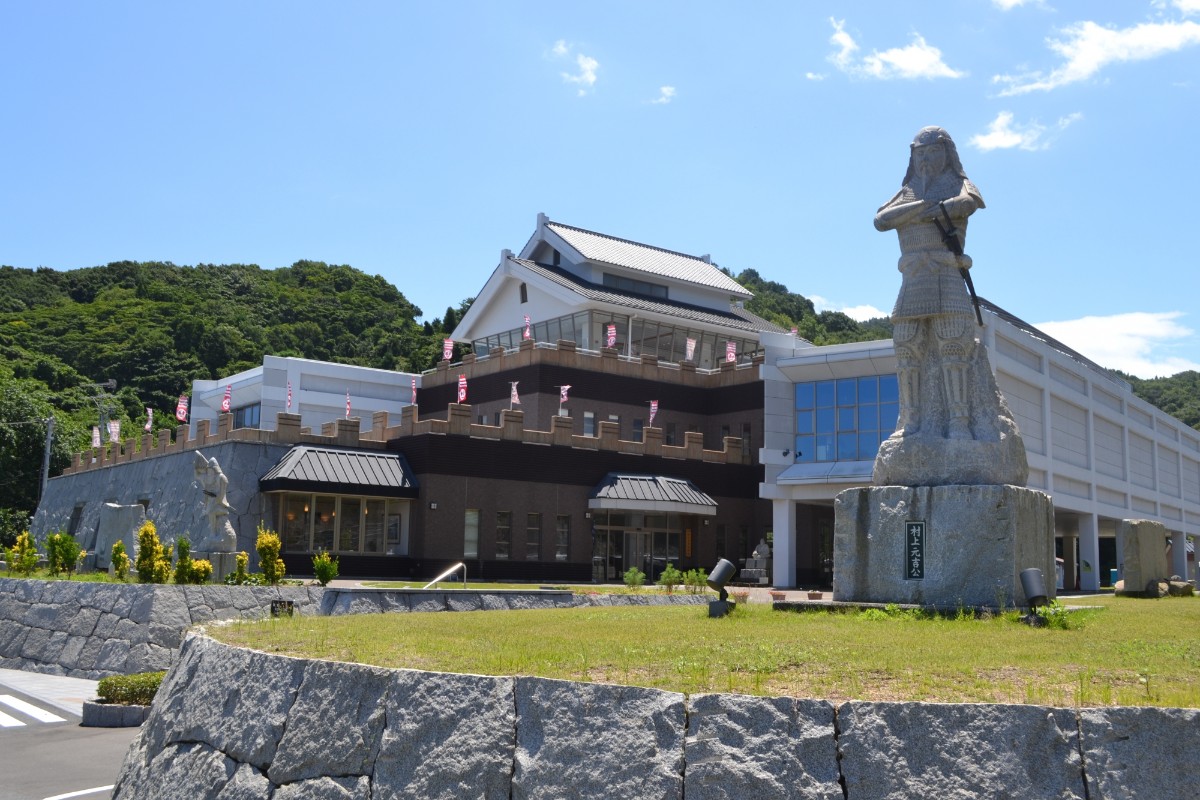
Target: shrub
pixel 63 554
pixel 183 561
pixel 120 561
pixel 634 578
pixel 130 690
pixel 240 577
pixel 670 578
pixel 324 567
pixel 696 580
pixel 268 547
pixel 202 570
pixel 22 557
pixel 153 558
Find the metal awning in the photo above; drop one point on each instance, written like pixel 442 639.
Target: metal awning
pixel 371 473
pixel 655 493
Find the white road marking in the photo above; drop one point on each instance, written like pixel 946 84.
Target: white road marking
pixel 29 709
pixel 81 793
pixel 9 722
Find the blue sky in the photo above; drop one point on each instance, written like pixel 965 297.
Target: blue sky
pixel 416 140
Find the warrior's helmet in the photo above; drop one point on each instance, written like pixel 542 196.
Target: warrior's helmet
pixel 935 135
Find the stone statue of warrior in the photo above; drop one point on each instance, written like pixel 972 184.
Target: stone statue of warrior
pixel 934 309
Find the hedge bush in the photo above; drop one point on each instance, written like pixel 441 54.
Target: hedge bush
pixel 130 690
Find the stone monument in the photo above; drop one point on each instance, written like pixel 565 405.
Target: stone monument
pixel 213 536
pixel 947 521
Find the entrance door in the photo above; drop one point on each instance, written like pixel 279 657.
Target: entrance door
pixel 607 556
pixel 637 553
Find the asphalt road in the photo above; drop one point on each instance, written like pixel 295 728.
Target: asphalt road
pixel 44 753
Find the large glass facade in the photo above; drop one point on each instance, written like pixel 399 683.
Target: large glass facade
pixel 309 523
pixel 589 330
pixel 844 419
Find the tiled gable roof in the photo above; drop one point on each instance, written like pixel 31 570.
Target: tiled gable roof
pixel 650 488
pixel 306 467
pixel 645 258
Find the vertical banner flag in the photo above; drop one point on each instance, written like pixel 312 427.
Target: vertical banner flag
pixel 181 408
pixel 149 420
pixel 527 335
pixel 96 436
pixel 795 331
pixel 414 391
pixel 227 401
pixel 447 349
pixel 114 430
pixel 611 339
pixel 731 351
pixel 691 348
pixel 289 400
pixel 653 411
pixel 513 398
pixel 462 388
pixel 347 404
pixel 562 393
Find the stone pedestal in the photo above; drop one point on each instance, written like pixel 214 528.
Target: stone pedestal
pixel 943 546
pixel 1141 553
pixel 223 564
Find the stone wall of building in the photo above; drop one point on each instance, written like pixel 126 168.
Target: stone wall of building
pixel 234 722
pixel 92 630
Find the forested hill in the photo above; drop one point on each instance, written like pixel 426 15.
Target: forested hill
pixel 1178 395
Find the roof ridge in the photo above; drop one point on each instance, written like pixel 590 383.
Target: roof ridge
pixel 631 241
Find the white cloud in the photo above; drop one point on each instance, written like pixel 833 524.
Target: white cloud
pixel 1188 7
pixel 665 95
pixel 1088 48
pixel 585 79
pixel 859 313
pixel 1003 134
pixel 1139 342
pixel 1009 5
pixel 815 76
pixel 918 60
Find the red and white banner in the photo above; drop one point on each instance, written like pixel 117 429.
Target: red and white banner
pixel 462 388
pixel 691 349
pixel 731 351
pixel 562 393
pixel 347 404
pixel 527 335
pixel 653 411
pixel 114 430
pixel 795 331
pixel 181 408
pixel 149 420
pixel 227 401
pixel 513 398
pixel 96 436
pixel 447 349
pixel 289 400
pixel 611 339
pixel 414 391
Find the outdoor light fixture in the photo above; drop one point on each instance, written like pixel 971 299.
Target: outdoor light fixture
pixel 1034 587
pixel 587 515
pixel 433 506
pixel 721 574
pixel 787 453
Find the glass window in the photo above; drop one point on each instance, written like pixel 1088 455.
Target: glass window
pixel 804 422
pixel 804 396
pixel 533 536
pixel 847 394
pixel 589 423
pixel 373 526
pixel 825 420
pixel 349 525
pixel 503 534
pixel 805 449
pixel 889 389
pixel 562 549
pixel 825 394
pixel 247 416
pixel 397 542
pixel 295 526
pixel 846 419
pixel 324 519
pixel 471 533
pixel 847 444
pixel 868 389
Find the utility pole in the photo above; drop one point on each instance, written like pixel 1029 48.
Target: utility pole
pixel 46 456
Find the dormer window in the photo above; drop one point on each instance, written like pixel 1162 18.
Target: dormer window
pixel 524 293
pixel 634 286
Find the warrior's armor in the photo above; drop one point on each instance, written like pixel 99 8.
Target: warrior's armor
pixel 933 287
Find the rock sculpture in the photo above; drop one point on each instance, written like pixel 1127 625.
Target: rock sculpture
pixel 220 536
pixel 954 426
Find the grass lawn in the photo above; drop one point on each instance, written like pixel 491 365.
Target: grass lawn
pixel 1124 652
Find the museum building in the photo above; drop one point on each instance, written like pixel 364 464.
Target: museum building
pixel 622 408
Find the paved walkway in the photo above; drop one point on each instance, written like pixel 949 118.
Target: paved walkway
pixel 61 692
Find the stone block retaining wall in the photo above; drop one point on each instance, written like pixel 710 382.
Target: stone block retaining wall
pixel 92 630
pixel 230 722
